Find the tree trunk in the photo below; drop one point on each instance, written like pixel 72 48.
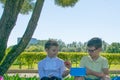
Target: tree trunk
pixel 7 22
pixel 16 50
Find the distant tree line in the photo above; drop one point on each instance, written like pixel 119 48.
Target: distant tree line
pixel 73 47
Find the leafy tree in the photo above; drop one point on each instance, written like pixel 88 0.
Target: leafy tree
pixel 72 49
pixel 114 48
pixel 41 42
pixel 34 48
pixel 104 46
pixel 27 6
pixel 64 49
pixel 8 20
pixel 75 47
pixel 84 47
pixel 61 44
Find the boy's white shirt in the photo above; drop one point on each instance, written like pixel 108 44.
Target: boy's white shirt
pixel 51 67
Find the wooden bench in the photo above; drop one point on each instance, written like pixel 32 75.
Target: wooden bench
pixel 36 71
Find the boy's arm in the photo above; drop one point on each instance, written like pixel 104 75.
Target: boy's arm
pixel 97 74
pixel 106 72
pixel 103 74
pixel 68 66
pixel 65 73
pixel 40 70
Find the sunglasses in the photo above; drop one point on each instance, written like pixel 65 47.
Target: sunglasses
pixel 91 51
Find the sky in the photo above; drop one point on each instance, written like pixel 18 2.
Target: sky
pixel 87 19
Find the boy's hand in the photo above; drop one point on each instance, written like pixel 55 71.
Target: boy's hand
pixel 106 78
pixel 89 72
pixel 67 64
pixel 97 74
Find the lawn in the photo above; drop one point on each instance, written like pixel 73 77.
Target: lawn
pixel 115 67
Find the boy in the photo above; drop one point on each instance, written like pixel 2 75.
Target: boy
pixel 96 65
pixel 52 67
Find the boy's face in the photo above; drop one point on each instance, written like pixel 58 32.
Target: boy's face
pixel 52 51
pixel 93 52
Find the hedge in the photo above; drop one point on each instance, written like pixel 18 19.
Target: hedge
pixel 31 58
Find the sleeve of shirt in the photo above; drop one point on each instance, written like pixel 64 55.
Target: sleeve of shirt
pixel 40 70
pixel 105 63
pixel 82 62
pixel 62 69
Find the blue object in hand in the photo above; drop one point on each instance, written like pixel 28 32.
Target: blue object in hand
pixel 116 78
pixel 78 71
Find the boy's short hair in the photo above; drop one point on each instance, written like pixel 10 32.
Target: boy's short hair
pixel 96 42
pixel 50 43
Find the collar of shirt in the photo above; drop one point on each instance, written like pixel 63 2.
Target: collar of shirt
pixel 49 58
pixel 94 60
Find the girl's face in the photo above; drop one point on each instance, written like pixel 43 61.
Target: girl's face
pixel 52 51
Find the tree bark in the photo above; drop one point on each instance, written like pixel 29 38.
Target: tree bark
pixel 16 50
pixel 7 22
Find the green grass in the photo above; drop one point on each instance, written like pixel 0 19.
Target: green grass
pixel 17 77
pixel 115 67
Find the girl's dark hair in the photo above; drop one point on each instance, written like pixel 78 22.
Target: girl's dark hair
pixel 50 43
pixel 96 42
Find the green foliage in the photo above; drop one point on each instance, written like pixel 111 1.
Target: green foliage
pixel 17 77
pixel 8 49
pixel 71 47
pixel 20 61
pixel 61 44
pixel 29 4
pixel 112 58
pixel 26 8
pixel 64 49
pixel 31 58
pixel 66 3
pixel 34 48
pixel 104 46
pixel 2 1
pixel 41 42
pixel 114 48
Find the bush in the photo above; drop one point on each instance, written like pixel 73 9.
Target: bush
pixel 17 77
